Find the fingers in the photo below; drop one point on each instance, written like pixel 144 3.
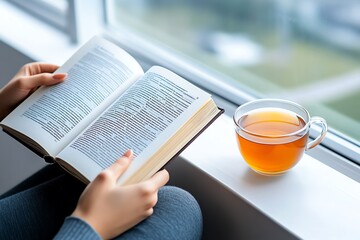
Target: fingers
pixel 48 67
pixel 38 67
pixel 120 166
pixel 38 80
pixel 59 76
pixel 33 75
pixel 160 178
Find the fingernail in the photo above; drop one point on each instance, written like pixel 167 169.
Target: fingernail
pixel 59 76
pixel 128 153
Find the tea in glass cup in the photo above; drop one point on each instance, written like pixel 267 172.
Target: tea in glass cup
pixel 272 134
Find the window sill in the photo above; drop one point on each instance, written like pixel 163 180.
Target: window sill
pixel 312 201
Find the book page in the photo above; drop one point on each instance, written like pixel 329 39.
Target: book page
pixel 142 119
pixel 97 74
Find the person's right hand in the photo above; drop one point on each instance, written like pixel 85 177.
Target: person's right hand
pixel 112 209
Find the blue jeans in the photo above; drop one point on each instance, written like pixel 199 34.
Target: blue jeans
pixel 36 209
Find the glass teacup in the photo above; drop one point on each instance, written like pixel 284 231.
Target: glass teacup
pixel 272 134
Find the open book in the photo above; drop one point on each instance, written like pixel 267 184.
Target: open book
pixel 106 106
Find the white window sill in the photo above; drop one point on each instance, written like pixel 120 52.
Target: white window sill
pixel 312 201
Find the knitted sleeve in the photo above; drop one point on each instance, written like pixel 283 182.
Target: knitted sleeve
pixel 76 228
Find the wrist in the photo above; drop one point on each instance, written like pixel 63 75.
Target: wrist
pixel 4 108
pixel 88 220
pixel 3 113
pixel 76 228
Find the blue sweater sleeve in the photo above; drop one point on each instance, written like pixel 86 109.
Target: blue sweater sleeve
pixel 75 228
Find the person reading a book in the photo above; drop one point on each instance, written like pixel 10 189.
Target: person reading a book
pixel 54 204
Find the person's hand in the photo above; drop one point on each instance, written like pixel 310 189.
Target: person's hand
pixel 30 77
pixel 112 209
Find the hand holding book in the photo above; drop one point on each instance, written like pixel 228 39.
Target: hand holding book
pixel 101 199
pixel 106 106
pixel 122 207
pixel 30 77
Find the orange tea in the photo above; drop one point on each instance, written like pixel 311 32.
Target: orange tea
pixel 271 140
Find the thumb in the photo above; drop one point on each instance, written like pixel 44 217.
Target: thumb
pixel 120 165
pixel 45 79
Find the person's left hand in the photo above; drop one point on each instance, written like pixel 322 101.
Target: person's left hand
pixel 30 77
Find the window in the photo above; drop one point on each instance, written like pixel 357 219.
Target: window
pixel 60 14
pixel 304 51
pixel 79 20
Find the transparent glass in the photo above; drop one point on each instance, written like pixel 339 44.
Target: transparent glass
pixel 305 51
pixel 61 5
pixel 272 134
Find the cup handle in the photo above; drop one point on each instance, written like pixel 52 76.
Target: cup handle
pixel 322 123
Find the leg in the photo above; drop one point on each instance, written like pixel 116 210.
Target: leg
pixel 177 215
pixel 39 211
pixel 43 175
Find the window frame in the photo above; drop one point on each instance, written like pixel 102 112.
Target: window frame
pixel 214 82
pixel 52 16
pixel 73 22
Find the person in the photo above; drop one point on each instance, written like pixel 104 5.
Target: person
pixel 53 204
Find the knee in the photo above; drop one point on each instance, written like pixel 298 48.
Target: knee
pixel 184 209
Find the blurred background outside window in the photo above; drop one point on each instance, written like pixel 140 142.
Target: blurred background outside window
pixel 306 51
